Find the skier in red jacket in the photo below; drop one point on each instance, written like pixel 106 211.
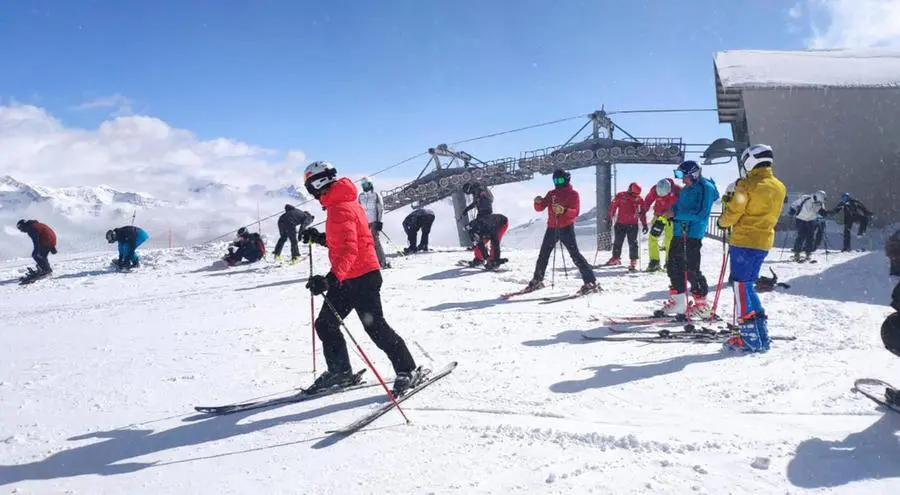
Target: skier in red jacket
pixel 564 205
pixel 354 282
pixel 662 196
pixel 43 240
pixel 627 208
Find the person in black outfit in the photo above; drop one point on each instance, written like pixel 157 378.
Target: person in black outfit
pixel 890 328
pixel 249 246
pixel 482 200
pixel 288 223
pixel 854 212
pixel 488 229
pixel 419 219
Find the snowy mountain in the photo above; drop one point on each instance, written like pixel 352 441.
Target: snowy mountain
pixel 101 372
pixel 80 200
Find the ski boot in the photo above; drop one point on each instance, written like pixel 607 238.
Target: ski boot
pixel 675 305
pixel 406 380
pixel 700 309
pixel 653 266
pixel 295 260
pixel 632 266
pixel 534 285
pixel 423 248
pixel 589 288
pixel 329 380
pixel 409 250
pixel 613 262
pixel 276 258
pixel 476 263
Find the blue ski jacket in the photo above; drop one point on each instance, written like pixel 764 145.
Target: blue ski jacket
pixel 693 208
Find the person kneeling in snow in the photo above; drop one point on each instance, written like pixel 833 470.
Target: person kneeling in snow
pixel 890 329
pixel 488 229
pixel 129 238
pixel 249 246
pixel 751 215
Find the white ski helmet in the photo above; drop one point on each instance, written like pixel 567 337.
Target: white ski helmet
pixel 663 187
pixel 819 196
pixel 318 176
pixel 758 154
pixel 730 187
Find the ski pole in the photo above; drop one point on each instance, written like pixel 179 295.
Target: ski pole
pixel 365 358
pixel 684 226
pixel 725 255
pixel 312 309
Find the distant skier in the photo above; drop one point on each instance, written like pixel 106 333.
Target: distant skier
pixel 43 240
pixel 627 208
pixel 890 328
pixel 854 212
pixel 662 196
pixel 418 219
pixel 751 214
pixel 288 223
pixel 690 215
pixel 129 238
pixel 563 205
pixel 806 211
pixel 354 282
pixel 488 229
pixel 249 246
pixel 371 202
pixel 482 200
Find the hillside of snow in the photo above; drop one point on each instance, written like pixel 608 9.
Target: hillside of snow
pixel 100 371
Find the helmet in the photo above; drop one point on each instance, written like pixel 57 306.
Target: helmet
pixel 366 184
pixel 110 236
pixel 689 168
pixel 663 187
pixel 819 196
pixel 561 178
pixel 758 155
pixel 890 333
pixel 242 232
pixel 730 187
pixel 21 225
pixel 318 176
pixel 470 187
pixel 634 188
pixel 845 197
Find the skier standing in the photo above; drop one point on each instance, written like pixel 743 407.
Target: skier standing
pixel 563 204
pixel 627 208
pixel 662 196
pixel 489 229
pixel 288 223
pixel 690 215
pixel 751 214
pixel 806 211
pixel 354 282
pixel 482 201
pixel 129 238
pixel 371 203
pixel 890 328
pixel 419 219
pixel 43 240
pixel 854 212
pixel 249 246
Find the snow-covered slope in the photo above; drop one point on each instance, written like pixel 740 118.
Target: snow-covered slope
pixel 99 373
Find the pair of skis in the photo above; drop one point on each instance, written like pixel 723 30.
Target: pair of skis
pixel 303 396
pixel 548 299
pixel 875 390
pixel 690 334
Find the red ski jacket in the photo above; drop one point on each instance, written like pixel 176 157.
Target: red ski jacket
pixel 663 203
pixel 629 205
pixel 565 196
pixel 41 234
pixel 351 248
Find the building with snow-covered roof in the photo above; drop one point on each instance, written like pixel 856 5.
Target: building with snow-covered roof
pixel 832 116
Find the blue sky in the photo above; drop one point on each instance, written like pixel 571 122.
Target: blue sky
pixel 364 84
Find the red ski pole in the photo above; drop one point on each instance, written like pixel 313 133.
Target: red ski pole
pixel 725 254
pixel 365 358
pixel 312 311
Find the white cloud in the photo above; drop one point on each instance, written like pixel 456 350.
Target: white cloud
pixel 854 23
pixel 796 11
pixel 120 104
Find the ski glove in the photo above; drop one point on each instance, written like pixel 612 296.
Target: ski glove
pixel 559 209
pixel 378 226
pixel 312 235
pixel 658 227
pixel 318 284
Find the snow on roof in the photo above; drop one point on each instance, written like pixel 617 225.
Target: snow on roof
pixel 809 68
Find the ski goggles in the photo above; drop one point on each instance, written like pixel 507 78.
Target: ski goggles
pixel 559 181
pixel 679 174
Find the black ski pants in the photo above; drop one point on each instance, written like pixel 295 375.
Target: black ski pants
pixel 364 295
pixel 565 235
pixel 40 254
pixel 685 255
pixel 412 229
pixel 287 233
pixel 863 222
pixel 621 231
pixel 806 236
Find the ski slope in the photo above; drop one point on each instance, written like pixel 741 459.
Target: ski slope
pixel 100 371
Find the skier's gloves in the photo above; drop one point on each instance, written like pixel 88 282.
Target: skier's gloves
pixel 312 235
pixel 318 284
pixel 378 226
pixel 538 199
pixel 558 209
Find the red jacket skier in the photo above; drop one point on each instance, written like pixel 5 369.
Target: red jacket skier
pixel 563 204
pixel 663 197
pixel 627 208
pixel 43 240
pixel 660 202
pixel 354 282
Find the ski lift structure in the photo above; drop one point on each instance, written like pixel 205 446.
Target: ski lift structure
pixel 448 170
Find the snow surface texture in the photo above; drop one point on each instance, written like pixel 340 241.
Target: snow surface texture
pixel 809 68
pixel 99 373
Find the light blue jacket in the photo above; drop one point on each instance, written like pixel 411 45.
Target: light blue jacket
pixel 693 207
